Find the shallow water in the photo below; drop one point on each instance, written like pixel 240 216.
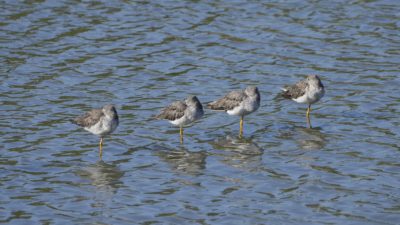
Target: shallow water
pixel 61 58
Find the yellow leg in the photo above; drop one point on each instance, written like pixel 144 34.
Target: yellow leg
pixel 308 116
pixel 101 148
pixel 181 134
pixel 241 127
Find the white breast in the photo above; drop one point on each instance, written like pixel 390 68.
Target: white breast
pixel 104 127
pixel 311 96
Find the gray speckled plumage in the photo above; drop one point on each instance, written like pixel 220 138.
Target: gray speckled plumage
pixel 174 111
pixel 239 102
pixel 183 112
pixel 229 101
pixel 99 121
pixel 309 90
pixel 296 90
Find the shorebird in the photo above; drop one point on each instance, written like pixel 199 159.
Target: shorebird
pixel 101 122
pixel 309 91
pixel 238 103
pixel 181 113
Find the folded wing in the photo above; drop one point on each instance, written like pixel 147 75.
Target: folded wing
pixel 89 119
pixel 295 91
pixel 173 112
pixel 228 102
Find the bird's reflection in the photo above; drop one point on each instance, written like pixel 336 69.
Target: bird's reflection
pixel 238 152
pixel 182 160
pixel 304 138
pixel 310 139
pixel 105 177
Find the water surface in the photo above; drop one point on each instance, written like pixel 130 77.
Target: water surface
pixel 62 58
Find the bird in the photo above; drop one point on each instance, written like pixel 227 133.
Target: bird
pixel 181 113
pixel 309 91
pixel 100 122
pixel 238 103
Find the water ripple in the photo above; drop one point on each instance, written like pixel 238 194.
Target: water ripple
pixel 62 58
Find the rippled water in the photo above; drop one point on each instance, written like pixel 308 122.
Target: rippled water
pixel 61 58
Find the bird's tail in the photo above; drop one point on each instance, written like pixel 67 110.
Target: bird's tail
pixel 155 117
pixel 214 106
pixel 285 93
pixel 73 121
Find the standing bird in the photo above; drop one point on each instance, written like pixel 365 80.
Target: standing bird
pixel 309 90
pixel 181 113
pixel 100 122
pixel 238 103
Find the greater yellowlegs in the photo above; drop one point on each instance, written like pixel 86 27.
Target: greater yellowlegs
pixel 181 113
pixel 238 103
pixel 309 91
pixel 101 122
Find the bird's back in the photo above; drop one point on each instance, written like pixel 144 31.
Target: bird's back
pixel 173 112
pixel 228 102
pixel 89 119
pixel 295 91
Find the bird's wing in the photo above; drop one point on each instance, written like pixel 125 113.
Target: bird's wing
pixel 89 119
pixel 295 91
pixel 229 101
pixel 173 112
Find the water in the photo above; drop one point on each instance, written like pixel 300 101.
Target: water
pixel 62 58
